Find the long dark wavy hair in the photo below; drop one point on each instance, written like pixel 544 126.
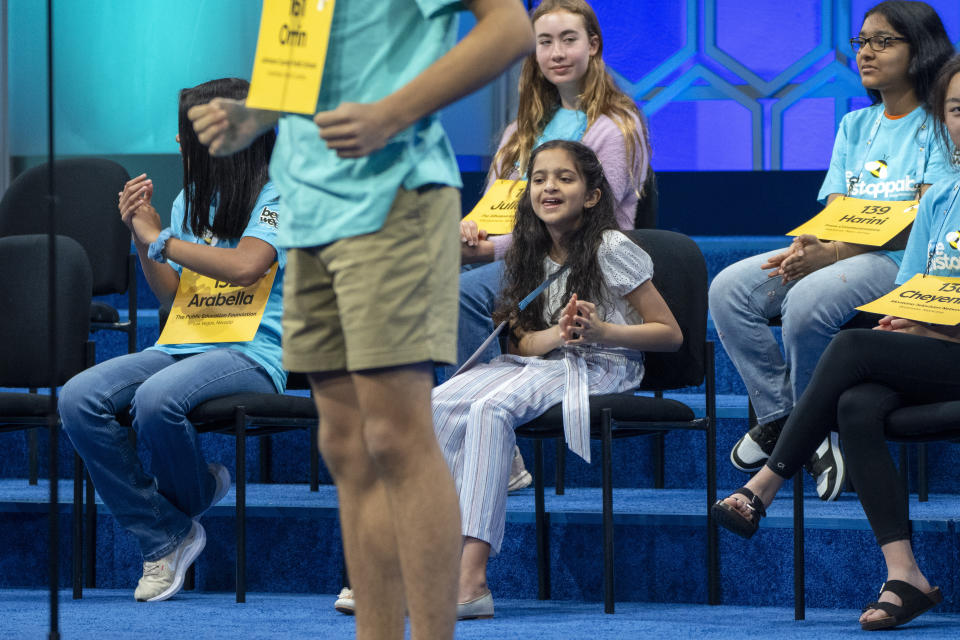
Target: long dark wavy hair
pixel 233 182
pixel 930 45
pixel 524 260
pixel 938 99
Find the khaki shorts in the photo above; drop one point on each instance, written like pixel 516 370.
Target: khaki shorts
pixel 382 299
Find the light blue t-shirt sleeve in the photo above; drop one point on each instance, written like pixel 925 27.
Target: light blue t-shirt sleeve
pixel 835 181
pixel 915 255
pixel 433 8
pixel 938 167
pixel 264 221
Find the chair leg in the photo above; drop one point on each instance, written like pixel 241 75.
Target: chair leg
pixel 240 426
pixel 542 520
pixel 606 419
pixel 315 457
pixel 77 543
pixel 923 486
pixel 799 575
pixel 561 466
pixel 904 469
pixel 265 458
pixel 33 459
pixel 90 533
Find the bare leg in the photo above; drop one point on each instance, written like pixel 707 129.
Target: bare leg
pixel 901 565
pixel 369 540
pixel 400 441
pixel 473 569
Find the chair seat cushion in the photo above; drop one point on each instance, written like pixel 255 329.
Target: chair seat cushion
pixel 625 407
pixel 925 422
pixel 274 405
pixel 100 312
pixel 26 407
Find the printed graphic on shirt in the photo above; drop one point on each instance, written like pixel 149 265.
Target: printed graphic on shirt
pixel 209 238
pixel 945 255
pixel 269 217
pixel 881 189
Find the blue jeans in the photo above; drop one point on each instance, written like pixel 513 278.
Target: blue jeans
pixel 743 299
pixel 161 390
pixel 479 288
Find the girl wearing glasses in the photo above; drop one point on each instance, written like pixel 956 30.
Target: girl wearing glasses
pixel 862 378
pixel 887 151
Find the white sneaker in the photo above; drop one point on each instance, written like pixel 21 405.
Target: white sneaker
pixel 520 478
pixel 164 578
pixel 222 476
pixel 344 602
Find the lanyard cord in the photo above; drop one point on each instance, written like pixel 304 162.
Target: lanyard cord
pixel 922 165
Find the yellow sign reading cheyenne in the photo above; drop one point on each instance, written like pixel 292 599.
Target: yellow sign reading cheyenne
pixel 872 222
pixel 933 299
pixel 291 51
pixel 497 208
pixel 208 310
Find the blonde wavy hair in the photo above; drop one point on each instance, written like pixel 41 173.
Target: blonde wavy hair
pixel 600 95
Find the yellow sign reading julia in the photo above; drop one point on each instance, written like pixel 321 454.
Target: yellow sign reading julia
pixel 497 208
pixel 933 299
pixel 208 310
pixel 871 222
pixel 291 51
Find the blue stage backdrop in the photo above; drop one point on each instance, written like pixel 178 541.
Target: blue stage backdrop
pixel 726 84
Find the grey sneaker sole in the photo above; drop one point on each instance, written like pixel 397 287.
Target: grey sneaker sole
pixel 222 476
pixel 190 554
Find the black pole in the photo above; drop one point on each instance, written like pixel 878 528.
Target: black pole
pixel 52 420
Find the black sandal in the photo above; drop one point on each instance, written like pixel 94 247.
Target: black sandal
pixel 914 602
pixel 731 519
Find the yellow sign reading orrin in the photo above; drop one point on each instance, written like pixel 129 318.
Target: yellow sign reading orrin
pixel 497 208
pixel 291 51
pixel 933 299
pixel 871 222
pixel 208 310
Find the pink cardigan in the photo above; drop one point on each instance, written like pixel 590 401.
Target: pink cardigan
pixel 607 142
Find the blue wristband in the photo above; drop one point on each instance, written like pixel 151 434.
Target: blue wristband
pixel 157 247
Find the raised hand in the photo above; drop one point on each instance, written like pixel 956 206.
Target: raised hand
pixel 135 200
pixel 227 126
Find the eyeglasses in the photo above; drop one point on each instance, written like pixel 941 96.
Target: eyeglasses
pixel 877 43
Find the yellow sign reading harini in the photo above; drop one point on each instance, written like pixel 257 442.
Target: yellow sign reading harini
pixel 208 310
pixel 871 222
pixel 291 51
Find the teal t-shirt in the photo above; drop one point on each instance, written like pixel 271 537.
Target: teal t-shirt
pixel 375 48
pixel 887 158
pixel 935 236
pixel 265 346
pixel 566 124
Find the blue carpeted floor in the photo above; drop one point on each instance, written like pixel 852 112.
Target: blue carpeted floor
pixel 113 615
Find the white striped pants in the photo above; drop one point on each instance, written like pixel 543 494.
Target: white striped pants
pixel 475 413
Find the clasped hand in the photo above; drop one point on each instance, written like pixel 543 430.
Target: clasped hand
pixel 805 255
pixel 580 323
pixel 137 211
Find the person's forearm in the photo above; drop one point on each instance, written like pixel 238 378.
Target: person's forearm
pixel 538 343
pixel 501 35
pixel 649 336
pixel 227 265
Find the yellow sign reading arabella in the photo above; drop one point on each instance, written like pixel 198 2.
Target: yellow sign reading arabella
pixel 497 208
pixel 291 51
pixel 933 299
pixel 208 310
pixel 871 222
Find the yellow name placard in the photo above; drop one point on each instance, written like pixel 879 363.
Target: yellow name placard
pixel 208 310
pixel 497 208
pixel 291 51
pixel 871 222
pixel 933 299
